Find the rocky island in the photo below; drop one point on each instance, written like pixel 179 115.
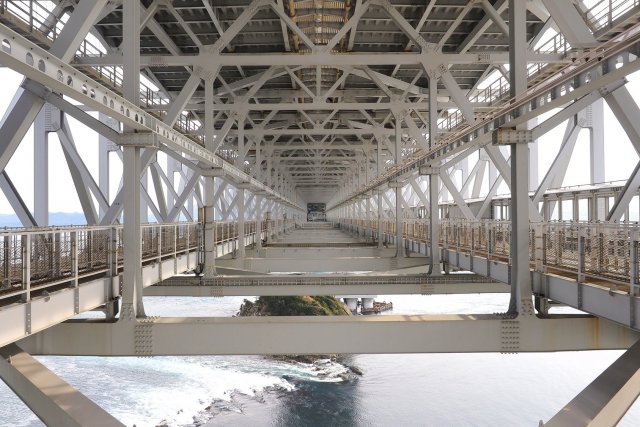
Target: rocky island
pixel 302 306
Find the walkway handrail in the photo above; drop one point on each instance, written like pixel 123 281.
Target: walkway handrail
pixel 604 252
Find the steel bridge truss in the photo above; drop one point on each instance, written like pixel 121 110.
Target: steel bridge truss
pixel 221 121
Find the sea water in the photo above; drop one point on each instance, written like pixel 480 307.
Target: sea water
pixel 395 390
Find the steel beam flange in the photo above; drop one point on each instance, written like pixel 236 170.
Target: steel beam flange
pixel 508 136
pixel 139 139
pixel 396 184
pixel 429 170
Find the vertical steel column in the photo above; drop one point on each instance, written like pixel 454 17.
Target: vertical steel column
pixel 399 242
pixel 258 221
pixel 369 216
pixel 380 212
pixel 104 148
pixel 241 214
pixel 259 197
pixel 434 225
pixel 209 225
pixel 132 278
pixel 26 273
pixel 434 183
pixel 520 301
pixel 398 189
pixel 41 170
pixel 111 308
pixel 131 70
pixel 596 111
pixel 241 136
pixel 533 159
pixel 132 305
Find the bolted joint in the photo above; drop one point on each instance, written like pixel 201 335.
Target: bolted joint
pixel 204 73
pixel 484 58
pixel 429 170
pixel 209 49
pixel 138 139
pixel 396 184
pixel 507 136
pixel 158 61
pixel 52 118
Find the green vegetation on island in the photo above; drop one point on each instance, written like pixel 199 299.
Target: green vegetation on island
pixel 294 306
pixel 304 306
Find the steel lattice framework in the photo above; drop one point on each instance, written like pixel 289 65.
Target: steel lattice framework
pixel 405 117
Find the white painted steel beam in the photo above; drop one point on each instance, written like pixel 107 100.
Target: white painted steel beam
pixel 80 87
pixel 333 334
pixel 40 171
pixel 210 61
pixel 25 106
pixel 178 104
pixel 570 22
pixel 607 398
pixel 520 280
pixel 15 200
pixel 605 73
pixel 304 285
pixel 626 110
pixel 52 399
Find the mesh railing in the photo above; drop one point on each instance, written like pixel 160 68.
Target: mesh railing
pixel 595 252
pixel 41 257
pixel 606 13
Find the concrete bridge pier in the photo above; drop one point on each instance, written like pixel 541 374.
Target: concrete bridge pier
pixel 352 303
pixel 367 303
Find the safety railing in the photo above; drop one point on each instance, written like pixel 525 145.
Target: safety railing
pixel 32 260
pixel 227 231
pixel 499 88
pixel 606 13
pixel 359 280
pixel 599 252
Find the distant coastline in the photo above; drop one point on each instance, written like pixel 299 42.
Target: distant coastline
pixel 55 219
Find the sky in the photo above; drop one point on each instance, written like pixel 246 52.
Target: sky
pixel 620 157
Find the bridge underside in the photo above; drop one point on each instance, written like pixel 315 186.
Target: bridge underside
pixel 333 284
pixel 416 128
pixel 333 334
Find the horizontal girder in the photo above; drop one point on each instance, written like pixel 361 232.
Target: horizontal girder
pixel 164 336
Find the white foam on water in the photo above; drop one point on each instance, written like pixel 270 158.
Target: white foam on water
pixel 174 390
pixel 322 370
